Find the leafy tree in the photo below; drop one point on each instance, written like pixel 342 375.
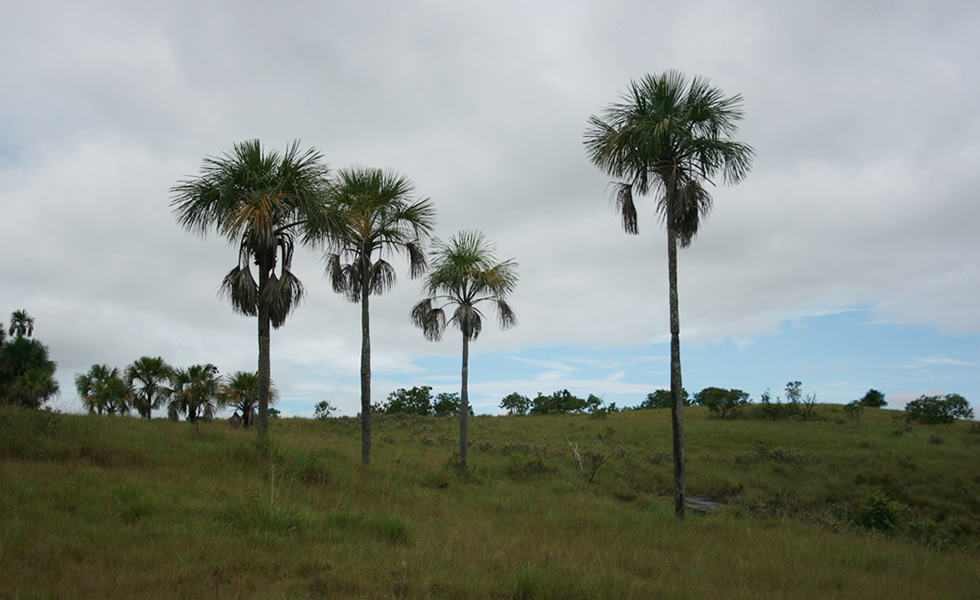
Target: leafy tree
pixel 447 404
pixel 380 219
pixel 465 275
pixel 794 392
pixel 262 201
pixel 933 410
pixel 722 403
pixel 146 378
pixel 669 136
pixel 195 393
pixel 593 404
pixel 103 391
pixel 416 401
pixel 241 391
pixel 516 404
pixel 873 399
pixel 21 324
pixel 559 402
pixel 323 410
pixel 26 372
pixel 663 399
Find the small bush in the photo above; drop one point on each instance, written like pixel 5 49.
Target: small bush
pixel 853 410
pixel 936 439
pixel 879 512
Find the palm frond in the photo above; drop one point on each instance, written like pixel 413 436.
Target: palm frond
pixel 430 319
pixel 382 277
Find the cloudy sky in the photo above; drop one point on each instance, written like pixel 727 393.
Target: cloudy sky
pixel 847 259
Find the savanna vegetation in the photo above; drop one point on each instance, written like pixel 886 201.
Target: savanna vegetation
pixel 552 506
pixel 565 497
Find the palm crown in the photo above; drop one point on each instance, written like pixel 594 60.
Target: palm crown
pixel 378 217
pixel 669 135
pixel 464 275
pixel 263 200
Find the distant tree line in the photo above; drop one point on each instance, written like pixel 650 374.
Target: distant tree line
pixel 194 393
pixel 732 403
pixel 420 401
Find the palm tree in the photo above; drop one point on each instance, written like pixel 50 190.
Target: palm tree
pixel 380 219
pixel 195 393
pixel 21 324
pixel 145 378
pixel 668 136
pixel 102 390
pixel 264 202
pixel 464 275
pixel 240 391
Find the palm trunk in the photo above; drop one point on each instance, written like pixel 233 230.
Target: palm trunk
pixel 676 387
pixel 265 326
pixel 365 369
pixel 464 406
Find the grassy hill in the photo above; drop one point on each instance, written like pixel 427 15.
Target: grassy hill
pixel 97 507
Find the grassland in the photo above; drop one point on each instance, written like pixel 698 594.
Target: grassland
pixel 97 507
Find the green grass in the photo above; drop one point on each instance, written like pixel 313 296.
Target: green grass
pixel 96 507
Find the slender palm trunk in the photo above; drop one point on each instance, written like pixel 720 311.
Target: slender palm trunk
pixel 265 327
pixel 365 369
pixel 676 387
pixel 464 406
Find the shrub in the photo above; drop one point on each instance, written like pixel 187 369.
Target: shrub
pixel 933 410
pixel 854 409
pixel 879 512
pixel 775 411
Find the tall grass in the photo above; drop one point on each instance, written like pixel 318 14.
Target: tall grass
pixel 95 507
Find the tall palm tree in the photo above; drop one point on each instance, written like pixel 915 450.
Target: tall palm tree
pixel 146 377
pixel 240 391
pixel 465 274
pixel 21 324
pixel 265 202
pixel 102 390
pixel 669 136
pixel 380 220
pixel 195 393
